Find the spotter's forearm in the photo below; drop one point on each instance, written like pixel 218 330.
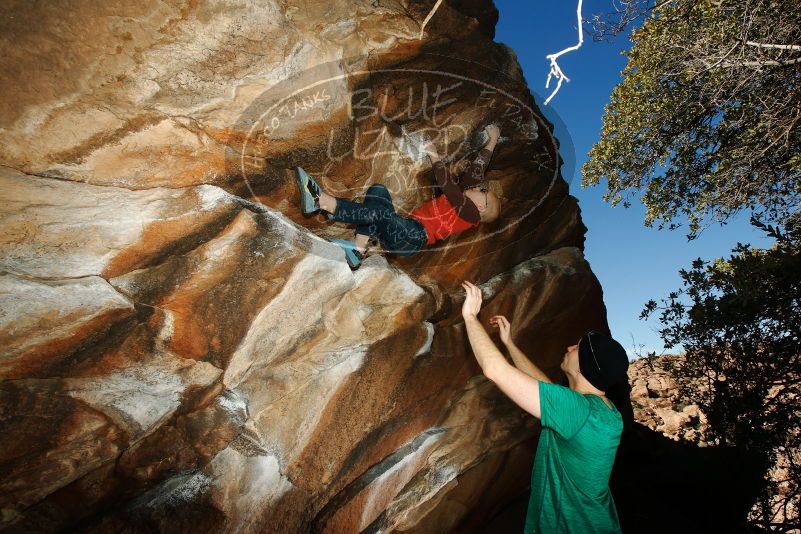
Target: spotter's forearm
pixel 523 363
pixel 489 357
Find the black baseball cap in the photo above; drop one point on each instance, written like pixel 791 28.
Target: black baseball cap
pixel 602 360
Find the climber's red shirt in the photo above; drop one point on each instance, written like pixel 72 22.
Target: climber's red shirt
pixel 440 219
pixel 452 212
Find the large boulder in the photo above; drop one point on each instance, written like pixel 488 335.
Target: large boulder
pixel 183 349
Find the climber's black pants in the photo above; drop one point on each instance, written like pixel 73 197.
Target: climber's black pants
pixel 375 216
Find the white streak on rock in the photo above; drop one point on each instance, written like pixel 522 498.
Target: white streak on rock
pixel 34 312
pixel 233 403
pixel 294 313
pixel 57 228
pixel 305 389
pixel 429 339
pixel 245 486
pixel 212 196
pixel 139 397
pixel 383 490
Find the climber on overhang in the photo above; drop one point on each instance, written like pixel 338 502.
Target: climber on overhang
pixel 581 424
pixel 460 207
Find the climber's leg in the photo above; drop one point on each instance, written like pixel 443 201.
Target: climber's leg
pixel 312 196
pixel 361 242
pixel 310 191
pixel 376 216
pixel 327 201
pixel 376 195
pixel 353 256
pixel 377 207
pixel 402 236
pixel 350 212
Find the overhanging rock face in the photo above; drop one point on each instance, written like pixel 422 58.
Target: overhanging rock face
pixel 182 349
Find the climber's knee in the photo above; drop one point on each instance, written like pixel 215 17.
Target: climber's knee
pixel 377 187
pixel 378 194
pixel 378 190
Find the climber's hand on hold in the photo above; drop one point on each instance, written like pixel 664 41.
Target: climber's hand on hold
pixel 472 301
pixel 431 150
pixel 493 131
pixel 503 327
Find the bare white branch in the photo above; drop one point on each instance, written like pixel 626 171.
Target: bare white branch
pixel 555 69
pixel 766 63
pixel 768 45
pixel 661 5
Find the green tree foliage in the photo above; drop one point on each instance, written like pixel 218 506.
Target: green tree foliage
pixel 739 321
pixel 707 122
pixel 707 119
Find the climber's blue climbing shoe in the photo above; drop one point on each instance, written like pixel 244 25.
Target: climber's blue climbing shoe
pixel 309 192
pixel 352 256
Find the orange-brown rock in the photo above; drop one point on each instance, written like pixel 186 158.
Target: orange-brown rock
pixel 182 349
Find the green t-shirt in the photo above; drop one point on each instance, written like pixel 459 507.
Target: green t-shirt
pixel 575 454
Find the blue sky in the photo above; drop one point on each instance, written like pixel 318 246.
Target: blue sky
pixel 632 262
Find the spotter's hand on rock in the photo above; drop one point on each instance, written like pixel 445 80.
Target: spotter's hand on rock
pixel 505 329
pixel 472 301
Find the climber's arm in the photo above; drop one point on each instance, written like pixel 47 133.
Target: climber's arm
pixel 465 208
pixel 475 173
